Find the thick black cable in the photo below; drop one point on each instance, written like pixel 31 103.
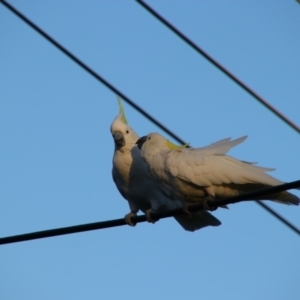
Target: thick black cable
pixel 219 66
pixel 156 216
pixel 111 87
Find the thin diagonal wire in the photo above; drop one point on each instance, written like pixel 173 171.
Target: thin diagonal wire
pixel 155 216
pixel 111 87
pixel 278 216
pixel 91 71
pixel 220 67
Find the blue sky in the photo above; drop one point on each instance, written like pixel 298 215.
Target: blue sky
pixel 56 149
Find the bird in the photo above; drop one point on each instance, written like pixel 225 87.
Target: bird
pixel 197 175
pixel 136 184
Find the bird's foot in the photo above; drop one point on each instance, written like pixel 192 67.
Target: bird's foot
pixel 207 206
pixel 186 209
pixel 149 217
pixel 128 218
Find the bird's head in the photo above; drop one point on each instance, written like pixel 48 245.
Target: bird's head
pixel 151 144
pixel 122 133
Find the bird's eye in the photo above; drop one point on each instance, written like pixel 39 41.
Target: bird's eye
pixel 127 131
pixel 149 137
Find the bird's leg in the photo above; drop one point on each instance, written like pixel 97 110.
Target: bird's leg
pixel 149 217
pixel 128 218
pixel 185 208
pixel 187 205
pixel 205 204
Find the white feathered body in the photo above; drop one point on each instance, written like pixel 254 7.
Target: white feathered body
pixel 134 182
pixel 197 173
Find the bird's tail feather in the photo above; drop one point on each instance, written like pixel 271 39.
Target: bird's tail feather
pixel 197 220
pixel 284 197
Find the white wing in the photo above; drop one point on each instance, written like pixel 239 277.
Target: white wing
pixel 209 166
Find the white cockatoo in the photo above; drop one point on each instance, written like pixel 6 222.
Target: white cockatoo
pixel 136 184
pixel 199 174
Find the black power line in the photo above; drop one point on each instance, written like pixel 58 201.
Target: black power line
pixel 219 66
pixel 156 216
pixel 115 90
pixel 278 216
pixel 91 71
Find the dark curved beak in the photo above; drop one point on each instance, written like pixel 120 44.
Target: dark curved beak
pixel 141 141
pixel 119 139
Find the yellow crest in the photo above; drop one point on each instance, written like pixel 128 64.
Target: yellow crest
pixel 172 146
pixel 122 113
